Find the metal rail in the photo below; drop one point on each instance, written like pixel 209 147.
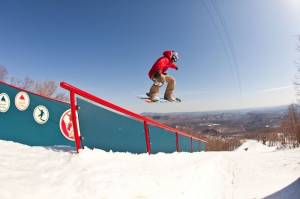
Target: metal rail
pixel 147 121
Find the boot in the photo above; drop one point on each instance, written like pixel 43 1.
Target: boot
pixel 153 94
pixel 170 89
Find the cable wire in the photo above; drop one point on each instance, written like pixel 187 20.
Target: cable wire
pixel 231 46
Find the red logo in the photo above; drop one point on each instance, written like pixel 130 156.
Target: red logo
pixel 66 125
pixel 22 101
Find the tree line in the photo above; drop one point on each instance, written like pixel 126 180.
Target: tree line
pixel 47 88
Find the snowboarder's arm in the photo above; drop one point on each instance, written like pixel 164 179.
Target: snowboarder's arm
pixel 173 66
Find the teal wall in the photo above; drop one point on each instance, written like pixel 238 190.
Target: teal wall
pixel 99 127
pixel 111 131
pixel 162 140
pixel 196 146
pixel 184 143
pixel 107 130
pixel 20 126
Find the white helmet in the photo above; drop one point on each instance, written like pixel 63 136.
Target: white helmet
pixel 174 56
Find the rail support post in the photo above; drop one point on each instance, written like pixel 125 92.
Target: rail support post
pixel 74 120
pixel 147 137
pixel 192 148
pixel 177 143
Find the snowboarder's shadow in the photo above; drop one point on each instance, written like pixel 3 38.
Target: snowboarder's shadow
pixel 61 148
pixel 292 191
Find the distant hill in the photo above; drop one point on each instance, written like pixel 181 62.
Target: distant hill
pixel 224 123
pixel 246 110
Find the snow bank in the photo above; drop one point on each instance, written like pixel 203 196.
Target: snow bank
pixel 253 145
pixel 37 172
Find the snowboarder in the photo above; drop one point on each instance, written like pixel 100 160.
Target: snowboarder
pixel 159 76
pixel 41 115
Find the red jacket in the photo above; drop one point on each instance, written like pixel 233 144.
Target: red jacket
pixel 163 64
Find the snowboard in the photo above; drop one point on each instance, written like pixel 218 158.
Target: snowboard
pixel 161 100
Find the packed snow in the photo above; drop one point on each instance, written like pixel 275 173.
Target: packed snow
pixel 255 172
pixel 254 146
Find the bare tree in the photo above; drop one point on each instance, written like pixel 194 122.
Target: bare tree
pixel 221 144
pixel 62 97
pixel 298 94
pixel 294 119
pixel 16 82
pixel 297 76
pixel 46 88
pixel 3 73
pixel 28 84
pixel 291 127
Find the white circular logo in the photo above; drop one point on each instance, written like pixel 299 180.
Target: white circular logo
pixel 4 102
pixel 41 114
pixel 22 101
pixel 66 125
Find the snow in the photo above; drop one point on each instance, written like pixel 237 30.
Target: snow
pixel 254 146
pixel 38 172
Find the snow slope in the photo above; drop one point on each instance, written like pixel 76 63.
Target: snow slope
pixel 37 172
pixel 254 146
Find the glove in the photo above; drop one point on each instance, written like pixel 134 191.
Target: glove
pixel 176 68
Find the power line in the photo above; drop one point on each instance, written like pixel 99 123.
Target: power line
pixel 219 33
pixel 230 45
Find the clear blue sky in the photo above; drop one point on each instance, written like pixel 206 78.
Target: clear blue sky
pixel 233 53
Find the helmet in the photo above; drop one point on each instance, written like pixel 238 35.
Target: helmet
pixel 174 56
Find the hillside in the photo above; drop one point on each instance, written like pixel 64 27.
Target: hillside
pixel 225 123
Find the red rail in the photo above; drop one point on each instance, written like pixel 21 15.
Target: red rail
pixel 73 90
pixel 112 106
pixel 122 110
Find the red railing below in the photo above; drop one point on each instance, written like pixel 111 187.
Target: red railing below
pixel 74 90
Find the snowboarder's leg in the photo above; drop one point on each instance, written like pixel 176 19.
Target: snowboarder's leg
pixel 158 81
pixel 170 88
pixel 153 94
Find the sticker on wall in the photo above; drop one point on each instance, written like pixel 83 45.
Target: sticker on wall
pixel 66 125
pixel 41 114
pixel 4 102
pixel 22 101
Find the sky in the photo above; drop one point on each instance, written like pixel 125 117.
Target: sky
pixel 233 53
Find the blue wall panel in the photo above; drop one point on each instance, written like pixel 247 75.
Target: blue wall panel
pixel 162 140
pixel 20 126
pixel 184 143
pixel 203 146
pixel 196 145
pixel 107 130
